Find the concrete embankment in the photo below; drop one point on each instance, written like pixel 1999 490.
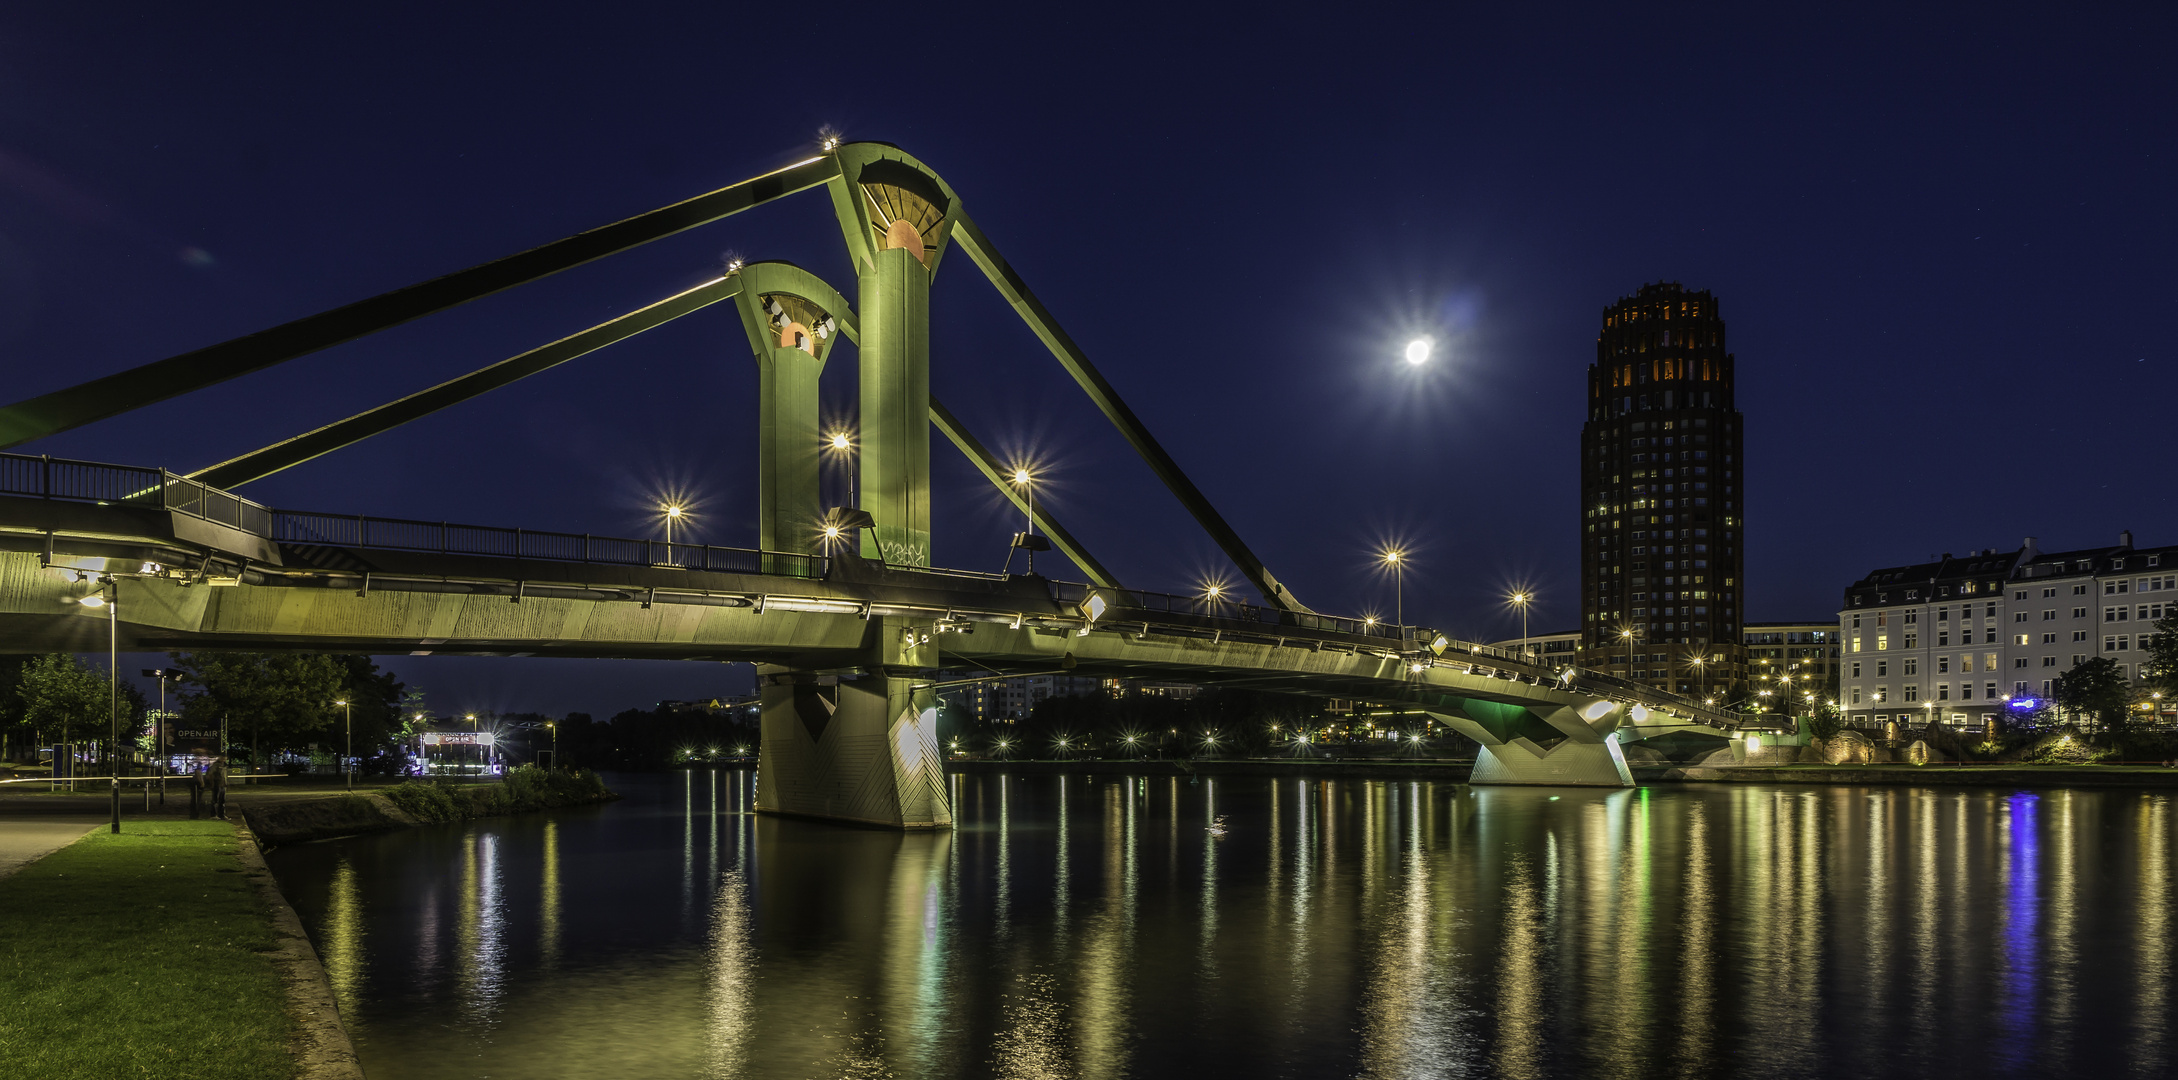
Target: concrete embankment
pixel 1445 771
pixel 297 821
pixel 1925 775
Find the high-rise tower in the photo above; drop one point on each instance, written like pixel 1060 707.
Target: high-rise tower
pixel 1661 476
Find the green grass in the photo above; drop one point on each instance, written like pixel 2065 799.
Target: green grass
pixel 143 954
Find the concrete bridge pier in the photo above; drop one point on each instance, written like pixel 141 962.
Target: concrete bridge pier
pixel 861 750
pixel 1544 745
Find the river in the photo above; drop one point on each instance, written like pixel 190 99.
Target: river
pixel 1090 926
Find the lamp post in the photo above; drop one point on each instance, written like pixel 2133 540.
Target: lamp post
pixel 672 513
pixel 1521 600
pixel 842 445
pixel 1026 481
pixel 1701 670
pixel 348 754
pixel 1627 635
pixel 113 673
pixel 471 718
pixel 555 730
pixel 1397 560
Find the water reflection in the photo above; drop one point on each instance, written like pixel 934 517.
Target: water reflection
pixel 1093 926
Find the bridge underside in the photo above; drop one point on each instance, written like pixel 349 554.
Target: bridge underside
pixel 861 644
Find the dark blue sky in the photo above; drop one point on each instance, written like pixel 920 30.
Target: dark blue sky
pixel 1943 242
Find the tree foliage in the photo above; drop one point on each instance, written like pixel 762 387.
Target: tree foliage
pixel 2094 691
pixel 62 697
pixel 2160 670
pixel 267 699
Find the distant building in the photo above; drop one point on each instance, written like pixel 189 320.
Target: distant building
pixel 1661 476
pixel 1794 658
pixel 1556 647
pixel 1956 638
pixel 1010 700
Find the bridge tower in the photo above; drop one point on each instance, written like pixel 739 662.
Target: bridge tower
pixel 897 217
pixel 854 744
pixel 793 319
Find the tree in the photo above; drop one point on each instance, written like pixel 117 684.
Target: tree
pixel 286 698
pixel 59 694
pixel 2094 689
pixel 2160 670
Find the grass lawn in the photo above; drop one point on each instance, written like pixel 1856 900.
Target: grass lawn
pixel 143 954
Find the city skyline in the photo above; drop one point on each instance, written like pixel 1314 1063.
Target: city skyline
pixel 1924 306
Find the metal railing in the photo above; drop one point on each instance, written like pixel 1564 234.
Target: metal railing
pixel 448 538
pixel 124 485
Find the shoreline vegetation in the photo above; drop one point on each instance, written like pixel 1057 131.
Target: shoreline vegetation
pixel 421 802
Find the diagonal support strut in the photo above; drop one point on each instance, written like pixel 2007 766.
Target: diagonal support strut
pixel 1033 312
pixel 996 473
pixel 258 464
pixel 112 395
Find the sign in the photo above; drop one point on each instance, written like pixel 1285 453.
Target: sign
pixel 195 740
pixel 457 738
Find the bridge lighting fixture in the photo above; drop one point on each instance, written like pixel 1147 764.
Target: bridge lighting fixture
pixel 92 601
pixel 1418 351
pixel 839 441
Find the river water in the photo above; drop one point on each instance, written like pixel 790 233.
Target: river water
pixel 1090 926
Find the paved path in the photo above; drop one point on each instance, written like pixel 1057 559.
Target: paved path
pixel 26 840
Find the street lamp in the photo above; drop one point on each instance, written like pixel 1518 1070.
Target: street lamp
pixel 842 445
pixel 1397 560
pixel 672 512
pixel 1418 351
pixel 1026 481
pixel 555 730
pixel 1521 600
pixel 1701 671
pixel 112 605
pixel 349 711
pixel 1627 635
pixel 471 718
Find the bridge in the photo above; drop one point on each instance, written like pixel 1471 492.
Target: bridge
pixel 841 608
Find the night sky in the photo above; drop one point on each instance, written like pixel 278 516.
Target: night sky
pixel 1943 243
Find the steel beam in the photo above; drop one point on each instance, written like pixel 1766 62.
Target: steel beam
pixel 1001 479
pixel 159 380
pixel 1033 312
pixel 258 464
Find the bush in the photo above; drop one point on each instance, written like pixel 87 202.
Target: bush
pixel 424 802
pixel 525 788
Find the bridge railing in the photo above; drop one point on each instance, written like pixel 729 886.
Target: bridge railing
pixel 449 538
pixel 127 485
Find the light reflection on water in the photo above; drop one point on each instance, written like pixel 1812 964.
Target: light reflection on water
pixel 1090 926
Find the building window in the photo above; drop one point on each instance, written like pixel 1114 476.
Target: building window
pixel 1883 642
pixel 1988 662
pixel 2049 639
pixel 2049 614
pixel 2079 635
pixel 1912 641
pixel 2049 661
pixel 1882 694
pixel 1943 664
pixel 2079 590
pixel 1943 691
pixel 1989 638
pixel 2079 613
pixel 2113 588
pixel 1943 638
pixel 2019 616
pixel 1856 642
pixel 1856 620
pixel 1883 668
pixel 2113 614
pixel 2046 593
pixel 1856 669
pixel 1856 695
pixel 1913 665
pixel 1988 690
pixel 1913 692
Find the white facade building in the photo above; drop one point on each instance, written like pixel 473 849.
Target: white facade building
pixel 1956 639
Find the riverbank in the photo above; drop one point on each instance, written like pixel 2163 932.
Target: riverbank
pixel 1452 771
pixel 147 953
pixel 402 806
pixel 1899 773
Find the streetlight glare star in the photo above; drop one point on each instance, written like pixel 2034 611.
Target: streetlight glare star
pixel 1021 476
pixel 1418 351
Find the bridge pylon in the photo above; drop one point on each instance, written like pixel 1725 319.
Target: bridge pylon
pixel 859 746
pixel 1544 744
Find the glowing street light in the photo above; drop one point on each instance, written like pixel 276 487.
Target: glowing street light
pixel 1521 600
pixel 349 713
pixel 673 513
pixel 1028 540
pixel 1418 351
pixel 1397 560
pixel 1627 635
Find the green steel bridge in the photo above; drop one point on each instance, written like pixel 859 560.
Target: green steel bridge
pixel 841 608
